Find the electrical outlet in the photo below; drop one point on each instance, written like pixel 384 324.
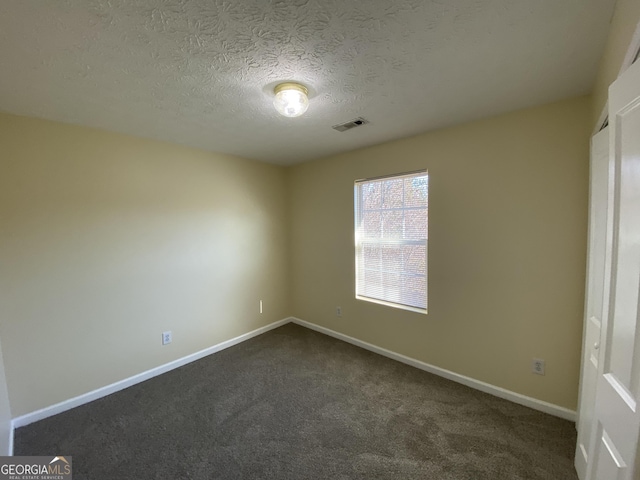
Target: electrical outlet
pixel 260 306
pixel 338 311
pixel 537 366
pixel 167 337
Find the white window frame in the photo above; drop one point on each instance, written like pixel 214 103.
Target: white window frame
pixel 359 242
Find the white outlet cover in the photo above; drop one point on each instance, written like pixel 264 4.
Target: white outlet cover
pixel 166 337
pixel 537 366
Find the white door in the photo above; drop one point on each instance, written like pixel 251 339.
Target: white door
pixel 617 413
pixel 599 256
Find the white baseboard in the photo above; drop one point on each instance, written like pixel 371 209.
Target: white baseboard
pixel 141 377
pixel 518 398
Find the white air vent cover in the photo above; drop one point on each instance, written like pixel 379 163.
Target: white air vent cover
pixel 356 122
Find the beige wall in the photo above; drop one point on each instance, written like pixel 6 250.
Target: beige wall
pixel 107 240
pixel 5 412
pixel 507 246
pixel 623 25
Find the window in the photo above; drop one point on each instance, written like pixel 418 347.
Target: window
pixel 391 240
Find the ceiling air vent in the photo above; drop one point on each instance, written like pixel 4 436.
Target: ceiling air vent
pixel 356 122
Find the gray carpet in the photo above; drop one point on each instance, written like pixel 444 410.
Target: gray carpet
pixel 295 404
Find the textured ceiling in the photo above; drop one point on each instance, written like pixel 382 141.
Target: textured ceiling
pixel 201 72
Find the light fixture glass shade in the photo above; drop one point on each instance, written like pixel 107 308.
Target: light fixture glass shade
pixel 291 99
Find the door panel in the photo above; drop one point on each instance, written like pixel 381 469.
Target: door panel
pixel 615 440
pixel 599 253
pixel 609 462
pixel 622 348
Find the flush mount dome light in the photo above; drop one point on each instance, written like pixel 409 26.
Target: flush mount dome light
pixel 291 99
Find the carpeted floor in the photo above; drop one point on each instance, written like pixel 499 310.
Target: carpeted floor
pixel 295 404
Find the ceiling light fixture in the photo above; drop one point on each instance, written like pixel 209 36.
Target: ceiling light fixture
pixel 291 99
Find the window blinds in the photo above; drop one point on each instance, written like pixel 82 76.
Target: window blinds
pixel 391 216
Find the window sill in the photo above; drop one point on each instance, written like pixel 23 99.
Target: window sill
pixel 399 306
